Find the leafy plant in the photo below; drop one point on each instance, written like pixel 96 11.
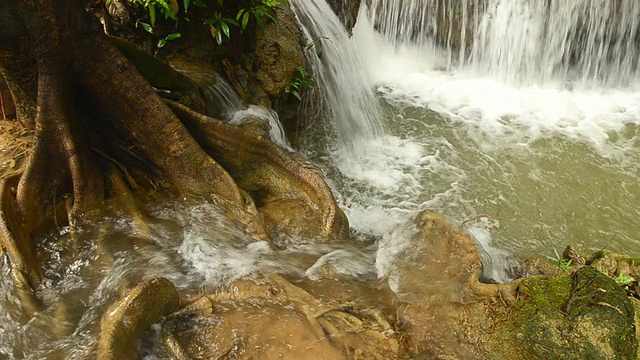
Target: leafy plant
pixel 220 25
pixel 302 80
pixel 559 262
pixel 258 9
pixel 162 42
pixel 168 8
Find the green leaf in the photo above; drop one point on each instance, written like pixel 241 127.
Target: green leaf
pixel 239 14
pixel 152 15
pixel 219 38
pixel 162 42
pixel 259 21
pixel 148 28
pixel 173 36
pixel 225 29
pixel 269 16
pixel 245 20
pixel 186 5
pixel 624 280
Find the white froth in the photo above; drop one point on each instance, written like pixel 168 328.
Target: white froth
pixel 385 162
pixel 414 76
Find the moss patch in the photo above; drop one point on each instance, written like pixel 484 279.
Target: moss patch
pixel 582 316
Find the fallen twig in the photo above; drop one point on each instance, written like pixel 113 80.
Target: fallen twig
pixel 476 218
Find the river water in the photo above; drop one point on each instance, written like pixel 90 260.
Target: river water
pixel 548 151
pixel 536 154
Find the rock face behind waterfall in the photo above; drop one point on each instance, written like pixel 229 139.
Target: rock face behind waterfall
pixel 347 11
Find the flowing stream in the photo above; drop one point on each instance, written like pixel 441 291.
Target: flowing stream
pixel 527 112
pixel 520 116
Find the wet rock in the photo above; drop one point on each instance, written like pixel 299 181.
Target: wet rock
pixel 571 254
pixel 292 217
pixel 277 53
pixel 614 265
pixel 442 301
pixel 347 11
pixel 584 316
pixel 125 320
pixel 448 313
pixel 274 319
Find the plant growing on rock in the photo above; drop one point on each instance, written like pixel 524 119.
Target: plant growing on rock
pixel 301 81
pixel 558 261
pixel 256 9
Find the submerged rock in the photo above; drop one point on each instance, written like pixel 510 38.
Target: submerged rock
pixel 274 319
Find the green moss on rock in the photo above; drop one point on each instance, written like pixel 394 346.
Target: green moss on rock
pixel 582 316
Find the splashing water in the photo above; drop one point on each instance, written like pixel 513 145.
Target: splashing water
pixel 346 89
pixel 523 110
pixel 582 42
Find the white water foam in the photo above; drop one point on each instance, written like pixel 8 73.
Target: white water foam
pixel 346 92
pixel 509 114
pixel 276 132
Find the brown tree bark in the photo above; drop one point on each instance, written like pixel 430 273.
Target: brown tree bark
pixel 69 81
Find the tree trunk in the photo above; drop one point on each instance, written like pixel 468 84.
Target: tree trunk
pixel 71 83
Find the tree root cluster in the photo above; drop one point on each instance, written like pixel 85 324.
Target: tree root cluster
pixel 101 130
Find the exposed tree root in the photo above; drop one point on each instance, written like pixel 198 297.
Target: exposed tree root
pixel 125 320
pixel 262 168
pixel 16 240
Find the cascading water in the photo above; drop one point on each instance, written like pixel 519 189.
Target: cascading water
pixel 346 92
pixel 222 101
pixel 523 112
pixel 524 41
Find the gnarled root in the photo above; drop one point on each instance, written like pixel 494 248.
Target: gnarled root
pixel 15 239
pixel 263 169
pixel 124 321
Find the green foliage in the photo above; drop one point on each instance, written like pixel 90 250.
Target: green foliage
pixel 257 9
pixel 162 42
pixel 624 280
pixel 558 261
pixel 302 80
pixel 220 25
pixel 167 8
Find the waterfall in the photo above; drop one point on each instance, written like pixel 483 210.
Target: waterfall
pixel 222 101
pixel 346 91
pixel 582 42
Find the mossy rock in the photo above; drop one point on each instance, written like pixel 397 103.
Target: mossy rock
pixel 613 264
pixel 582 316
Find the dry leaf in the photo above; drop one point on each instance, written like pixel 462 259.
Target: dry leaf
pixel 173 5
